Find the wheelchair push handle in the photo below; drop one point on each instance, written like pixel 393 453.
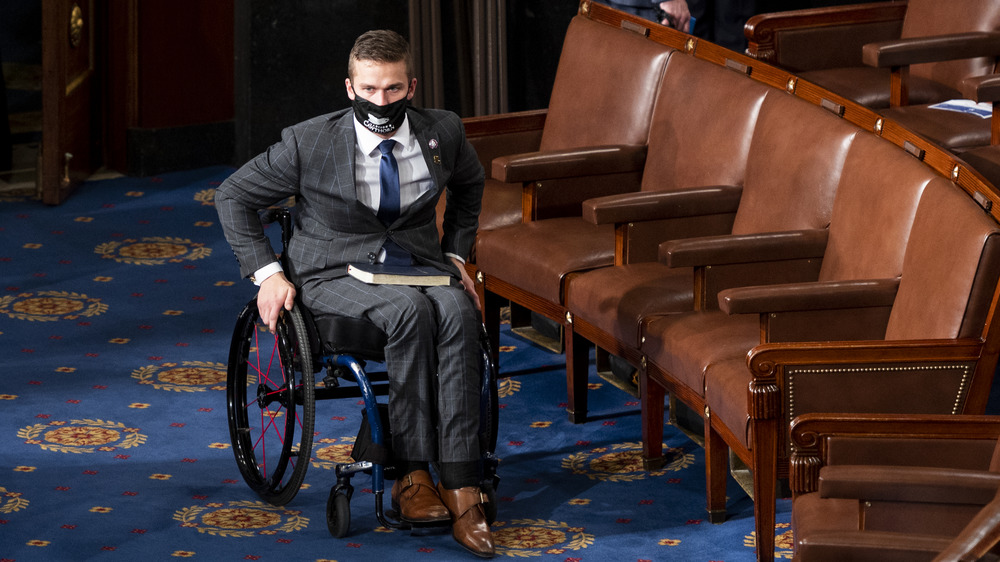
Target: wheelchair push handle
pixel 284 219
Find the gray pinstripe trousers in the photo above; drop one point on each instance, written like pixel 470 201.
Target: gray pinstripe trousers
pixel 432 358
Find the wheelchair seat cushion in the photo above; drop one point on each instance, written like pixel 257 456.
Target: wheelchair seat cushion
pixel 351 336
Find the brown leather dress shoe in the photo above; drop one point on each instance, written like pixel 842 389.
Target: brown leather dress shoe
pixel 416 499
pixel 468 520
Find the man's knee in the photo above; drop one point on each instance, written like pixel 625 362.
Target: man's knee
pixel 456 312
pixel 415 312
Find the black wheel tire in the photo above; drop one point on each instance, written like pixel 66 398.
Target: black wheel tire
pixel 489 399
pixel 491 507
pixel 270 391
pixel 338 513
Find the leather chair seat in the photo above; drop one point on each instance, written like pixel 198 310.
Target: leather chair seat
pixel 948 129
pixel 537 256
pixel 834 508
pixel 726 384
pixel 687 345
pixel 870 86
pixel 862 546
pixel 986 161
pixel 824 514
pixel 639 290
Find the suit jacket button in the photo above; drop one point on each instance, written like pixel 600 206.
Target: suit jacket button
pixel 371 255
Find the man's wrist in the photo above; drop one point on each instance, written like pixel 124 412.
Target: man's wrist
pixel 263 273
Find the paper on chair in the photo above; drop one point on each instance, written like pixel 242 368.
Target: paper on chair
pixel 984 110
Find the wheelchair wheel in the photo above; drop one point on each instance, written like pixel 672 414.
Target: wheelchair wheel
pixel 490 507
pixel 489 399
pixel 271 403
pixel 338 512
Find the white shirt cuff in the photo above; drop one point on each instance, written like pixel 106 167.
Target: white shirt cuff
pixel 263 273
pixel 450 255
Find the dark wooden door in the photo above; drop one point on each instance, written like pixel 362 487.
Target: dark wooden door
pixel 70 135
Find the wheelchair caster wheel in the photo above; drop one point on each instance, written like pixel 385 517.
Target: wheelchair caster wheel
pixel 338 512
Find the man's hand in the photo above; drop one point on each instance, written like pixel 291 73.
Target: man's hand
pixel 276 293
pixel 470 287
pixel 679 14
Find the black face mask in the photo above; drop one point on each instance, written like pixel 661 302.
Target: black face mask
pixel 379 119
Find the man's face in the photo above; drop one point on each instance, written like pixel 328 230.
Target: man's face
pixel 380 83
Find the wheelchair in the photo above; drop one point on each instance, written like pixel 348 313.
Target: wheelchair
pixel 272 393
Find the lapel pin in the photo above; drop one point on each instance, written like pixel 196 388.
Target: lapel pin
pixel 433 143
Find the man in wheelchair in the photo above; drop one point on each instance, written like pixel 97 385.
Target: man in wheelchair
pixel 366 181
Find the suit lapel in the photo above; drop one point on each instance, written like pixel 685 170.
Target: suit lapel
pixel 430 147
pixel 346 139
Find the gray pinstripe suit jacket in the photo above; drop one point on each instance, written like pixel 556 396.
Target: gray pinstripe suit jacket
pixel 314 161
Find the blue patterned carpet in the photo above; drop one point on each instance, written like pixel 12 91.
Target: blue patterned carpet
pixel 116 310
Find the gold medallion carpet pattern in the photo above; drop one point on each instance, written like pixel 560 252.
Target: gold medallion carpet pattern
pixel 116 313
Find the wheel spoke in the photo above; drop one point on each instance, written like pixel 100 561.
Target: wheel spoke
pixel 270 460
pixel 264 376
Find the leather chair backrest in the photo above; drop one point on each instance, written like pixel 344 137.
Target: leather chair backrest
pixel 879 180
pixel 950 268
pixel 702 124
pixel 604 88
pixel 795 161
pixel 933 17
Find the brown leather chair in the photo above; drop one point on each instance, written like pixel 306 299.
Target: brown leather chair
pixel 918 50
pixel 699 139
pixel 598 111
pixel 892 487
pixel 788 166
pixel 830 345
pixel 953 130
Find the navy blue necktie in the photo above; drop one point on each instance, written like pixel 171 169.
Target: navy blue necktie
pixel 388 207
pixel 388 177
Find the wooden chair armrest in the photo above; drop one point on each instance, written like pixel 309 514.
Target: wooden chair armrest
pixel 504 133
pixel 858 24
pixel 823 439
pixel 809 296
pixel 556 183
pixel 749 248
pixel 504 123
pixel 658 205
pixel 816 311
pixel 917 50
pixel 809 429
pixel 981 88
pixel 569 163
pixel 644 219
pixel 898 55
pixel 917 484
pixel 870 546
pixel 765 358
pixel 723 262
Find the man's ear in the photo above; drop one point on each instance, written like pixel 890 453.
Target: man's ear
pixel 350 89
pixel 412 90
